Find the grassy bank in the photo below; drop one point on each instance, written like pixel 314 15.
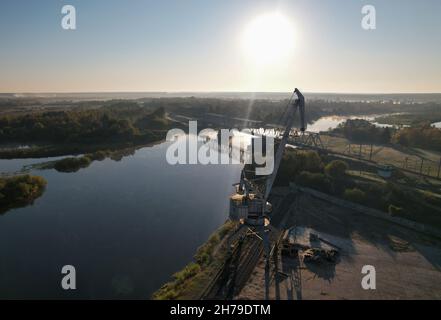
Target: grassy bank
pixel 191 281
pixel 73 164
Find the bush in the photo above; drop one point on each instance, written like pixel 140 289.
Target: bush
pixel 317 181
pixel 294 162
pixel 394 210
pixel 355 195
pixel 226 228
pixel 336 169
pixel 398 194
pixel 169 294
pixel 375 195
pixel 189 271
pixel 204 253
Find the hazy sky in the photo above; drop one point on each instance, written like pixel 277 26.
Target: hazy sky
pixel 189 45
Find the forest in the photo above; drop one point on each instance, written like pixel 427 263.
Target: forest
pixel 363 131
pixel 117 122
pixel 68 124
pixel 270 111
pixel 424 136
pixel 418 135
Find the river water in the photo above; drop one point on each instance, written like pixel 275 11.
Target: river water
pixel 126 226
pixel 331 122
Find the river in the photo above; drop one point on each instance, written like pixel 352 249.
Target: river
pixel 126 226
pixel 331 122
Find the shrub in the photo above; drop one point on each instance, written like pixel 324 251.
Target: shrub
pixel 294 162
pixel 316 181
pixel 375 195
pixel 189 271
pixel 398 194
pixel 169 294
pixel 336 169
pixel 394 210
pixel 355 195
pixel 227 227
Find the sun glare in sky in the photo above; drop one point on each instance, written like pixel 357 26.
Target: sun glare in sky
pixel 269 39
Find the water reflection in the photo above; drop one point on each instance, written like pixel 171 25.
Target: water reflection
pixel 331 122
pixel 126 226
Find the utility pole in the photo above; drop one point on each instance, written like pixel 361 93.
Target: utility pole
pixel 405 162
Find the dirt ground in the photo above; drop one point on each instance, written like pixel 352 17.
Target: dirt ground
pixel 407 264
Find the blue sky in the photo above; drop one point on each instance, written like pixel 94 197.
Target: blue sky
pixel 193 45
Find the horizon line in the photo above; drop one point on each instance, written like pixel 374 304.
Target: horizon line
pixel 214 91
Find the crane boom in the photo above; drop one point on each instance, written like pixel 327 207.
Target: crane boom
pixel 299 103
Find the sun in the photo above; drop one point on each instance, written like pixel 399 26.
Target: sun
pixel 268 39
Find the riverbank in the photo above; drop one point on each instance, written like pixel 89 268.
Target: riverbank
pixel 192 280
pixel 72 149
pixel 73 164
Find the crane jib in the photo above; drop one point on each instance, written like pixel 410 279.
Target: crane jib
pixel 299 103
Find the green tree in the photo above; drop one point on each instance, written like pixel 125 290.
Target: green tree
pixel 336 169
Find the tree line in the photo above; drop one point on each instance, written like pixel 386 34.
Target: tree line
pixel 420 135
pixel 116 122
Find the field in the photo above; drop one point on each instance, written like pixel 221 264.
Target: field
pixel 413 159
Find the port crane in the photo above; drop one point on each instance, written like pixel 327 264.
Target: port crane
pixel 249 205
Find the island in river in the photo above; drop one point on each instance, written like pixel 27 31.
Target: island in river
pixel 95 134
pixel 19 191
